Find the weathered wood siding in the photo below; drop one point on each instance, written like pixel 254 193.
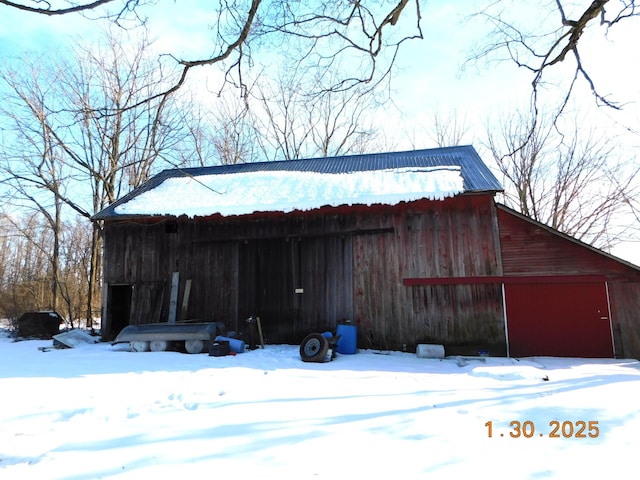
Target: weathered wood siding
pixel 292 271
pixel 625 310
pixel 456 237
pixel 303 272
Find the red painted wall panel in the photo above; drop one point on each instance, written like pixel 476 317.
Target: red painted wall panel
pixel 558 319
pixel 528 249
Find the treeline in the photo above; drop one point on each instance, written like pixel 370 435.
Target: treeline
pixel 28 280
pixel 80 129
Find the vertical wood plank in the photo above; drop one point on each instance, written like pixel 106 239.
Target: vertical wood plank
pixel 173 301
pixel 185 300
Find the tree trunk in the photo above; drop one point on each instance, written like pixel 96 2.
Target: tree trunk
pixel 55 260
pixel 94 272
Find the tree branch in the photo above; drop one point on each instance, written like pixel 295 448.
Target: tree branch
pixel 47 9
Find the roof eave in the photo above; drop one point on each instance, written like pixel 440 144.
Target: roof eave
pixel 109 214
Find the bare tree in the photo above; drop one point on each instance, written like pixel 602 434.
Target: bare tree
pixel 5 248
pixel 339 122
pixel 442 127
pixel 34 179
pixel 574 183
pixel 234 136
pixel 290 124
pixel 26 278
pixel 553 39
pixel 283 122
pixel 449 129
pixel 26 266
pixel 76 271
pixel 281 111
pixel 81 113
pixel 365 34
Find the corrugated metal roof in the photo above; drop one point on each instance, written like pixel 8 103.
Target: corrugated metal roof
pixel 476 175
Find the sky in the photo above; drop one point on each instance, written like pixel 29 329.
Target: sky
pixel 99 411
pixel 432 75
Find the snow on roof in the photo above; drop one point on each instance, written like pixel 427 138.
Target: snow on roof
pixel 285 191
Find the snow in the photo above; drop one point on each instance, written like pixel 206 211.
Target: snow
pixel 101 411
pixel 286 191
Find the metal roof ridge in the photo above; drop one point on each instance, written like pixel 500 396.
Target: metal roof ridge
pixel 202 170
pixel 476 174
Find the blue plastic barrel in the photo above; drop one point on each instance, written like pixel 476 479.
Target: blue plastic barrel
pixel 235 345
pixel 347 343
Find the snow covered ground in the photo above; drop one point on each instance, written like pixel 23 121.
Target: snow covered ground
pixel 100 411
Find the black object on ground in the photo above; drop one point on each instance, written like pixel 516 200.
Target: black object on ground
pixel 314 348
pixel 252 325
pixel 43 324
pixel 219 348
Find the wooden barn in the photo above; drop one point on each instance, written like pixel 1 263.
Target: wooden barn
pixel 409 246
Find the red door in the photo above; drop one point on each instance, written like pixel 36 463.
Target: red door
pixel 558 319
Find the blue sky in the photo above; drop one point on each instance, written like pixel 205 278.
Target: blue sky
pixel 429 72
pixel 428 76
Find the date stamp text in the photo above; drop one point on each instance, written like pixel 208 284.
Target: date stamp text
pixel 556 429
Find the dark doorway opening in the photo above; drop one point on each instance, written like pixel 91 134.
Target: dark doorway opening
pixel 118 309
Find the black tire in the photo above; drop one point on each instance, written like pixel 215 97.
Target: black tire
pixel 314 348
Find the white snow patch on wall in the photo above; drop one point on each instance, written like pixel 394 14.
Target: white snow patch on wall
pixel 286 191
